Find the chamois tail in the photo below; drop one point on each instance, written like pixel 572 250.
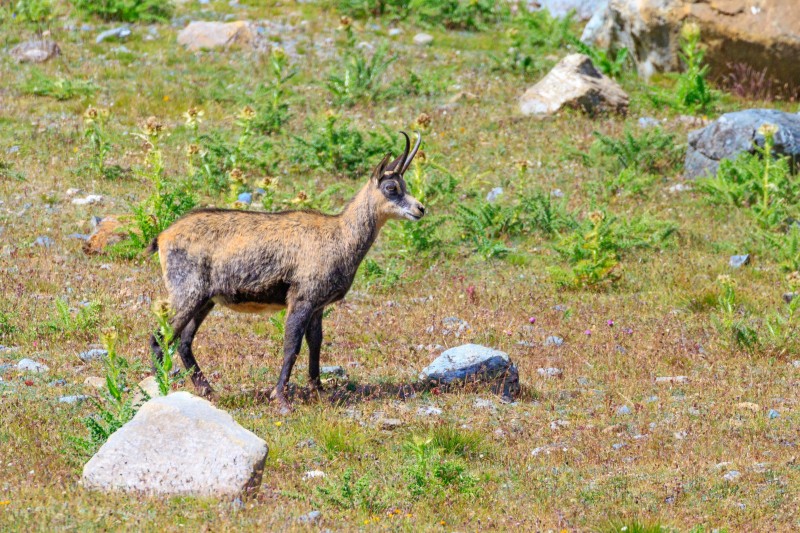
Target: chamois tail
pixel 152 247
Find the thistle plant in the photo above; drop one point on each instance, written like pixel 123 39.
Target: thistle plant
pixel 274 113
pixel 162 369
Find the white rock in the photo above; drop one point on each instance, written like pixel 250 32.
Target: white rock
pixel 575 83
pixel 179 445
pixel 29 365
pixel 313 474
pixel 92 199
pixel 672 379
pixel 423 39
pixel 549 372
pixel 201 35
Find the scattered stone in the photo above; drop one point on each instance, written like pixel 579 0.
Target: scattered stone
pixel 623 410
pixel 314 474
pixel 738 261
pixel 148 385
pixel 467 362
pixel 680 435
pixel 526 344
pixel 78 236
pixel 29 365
pixel 672 380
pixel 581 9
pixel 201 35
pixel 308 443
pixel 574 83
pixel 44 241
pixel 738 132
pixel 748 406
pixel 494 194
pixel 394 32
pixel 245 198
pixel 335 371
pixel 796 363
pixel 121 32
pixel 484 403
pixel 549 372
pixel 680 187
pixel 35 51
pixel 429 411
pixel 92 199
pixel 95 382
pixel 93 355
pixel 557 193
pixel 454 325
pixel 78 398
pixel 58 383
pixel 310 517
pixel 732 475
pixel 618 445
pixel 390 423
pixel 219 458
pixel 648 122
pixel 108 231
pixel 423 39
pixel 553 340
pixel 772 414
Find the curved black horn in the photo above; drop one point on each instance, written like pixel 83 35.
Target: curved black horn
pixel 410 158
pixel 398 163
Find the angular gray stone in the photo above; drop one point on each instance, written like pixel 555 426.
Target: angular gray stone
pixel 334 371
pixel 423 39
pixel 553 340
pixel 35 51
pixel 584 9
pixel 467 362
pixel 78 398
pixel 178 445
pixel 29 365
pixel 574 83
pixel 736 133
pixel 738 261
pixel 115 33
pixel 94 354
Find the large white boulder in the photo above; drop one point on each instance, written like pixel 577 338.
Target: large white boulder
pixel 574 83
pixel 179 445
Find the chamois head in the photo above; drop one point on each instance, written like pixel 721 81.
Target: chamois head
pixel 389 187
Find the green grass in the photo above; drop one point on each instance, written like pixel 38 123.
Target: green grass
pixel 625 271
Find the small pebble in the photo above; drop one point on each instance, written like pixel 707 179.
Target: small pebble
pixel 313 474
pixel 738 261
pixel 93 355
pixel 245 197
pixel 44 240
pixel 310 518
pixel 553 340
pixel 494 194
pixel 394 32
pixel 29 365
pixel 429 411
pixel 423 39
pixel 732 475
pixel 623 410
pixel 773 414
pixel 549 372
pixel 78 398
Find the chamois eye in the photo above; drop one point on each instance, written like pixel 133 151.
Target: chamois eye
pixel 391 188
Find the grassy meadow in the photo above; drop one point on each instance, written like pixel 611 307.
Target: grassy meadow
pixel 595 239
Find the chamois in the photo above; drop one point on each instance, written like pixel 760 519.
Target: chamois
pixel 254 262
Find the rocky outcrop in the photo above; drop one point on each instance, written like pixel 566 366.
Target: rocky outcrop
pixel 574 83
pixel 201 35
pixel 761 34
pixel 735 133
pixel 179 445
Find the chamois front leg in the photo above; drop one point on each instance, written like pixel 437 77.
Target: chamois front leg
pixel 314 340
pixel 297 321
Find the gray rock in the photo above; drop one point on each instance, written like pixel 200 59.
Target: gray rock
pixel 35 51
pixel 116 33
pixel 333 371
pixel 93 355
pixel 13 150
pixel 467 362
pixel 736 133
pixel 58 383
pixel 738 261
pixel 584 9
pixel 574 83
pixel 623 410
pixel 202 35
pixel 553 340
pixel 549 372
pixel 454 325
pixel 484 403
pixel 245 198
pixel 494 194
pixel 44 241
pixel 557 193
pixel 394 32
pixel 78 236
pixel 218 457
pixel 772 414
pixel 648 122
pixel 310 517
pixel 732 475
pixel 789 296
pixel 29 365
pixel 429 411
pixel 423 39
pixel 618 445
pixel 78 398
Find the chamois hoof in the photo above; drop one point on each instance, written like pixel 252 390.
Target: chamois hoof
pixel 203 388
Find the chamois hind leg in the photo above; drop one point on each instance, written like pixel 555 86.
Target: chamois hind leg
pixel 185 350
pixel 297 320
pixel 314 341
pixel 183 315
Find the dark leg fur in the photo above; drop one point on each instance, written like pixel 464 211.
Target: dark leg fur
pixel 296 323
pixel 314 341
pixel 185 350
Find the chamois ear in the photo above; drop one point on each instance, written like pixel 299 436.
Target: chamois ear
pixel 381 168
